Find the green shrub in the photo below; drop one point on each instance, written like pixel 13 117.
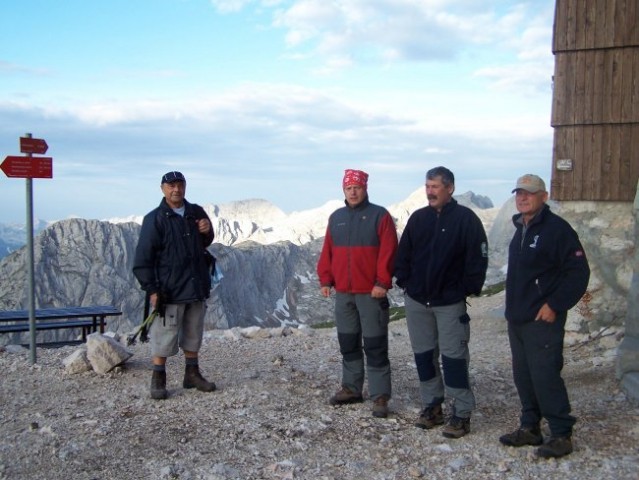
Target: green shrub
pixel 493 289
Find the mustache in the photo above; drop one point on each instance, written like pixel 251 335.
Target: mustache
pixel 432 197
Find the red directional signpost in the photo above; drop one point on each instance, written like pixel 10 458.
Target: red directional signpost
pixel 33 145
pixel 30 167
pixel 27 167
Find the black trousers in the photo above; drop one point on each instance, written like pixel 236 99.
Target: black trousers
pixel 537 361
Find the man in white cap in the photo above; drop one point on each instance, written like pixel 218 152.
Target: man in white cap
pixel 547 275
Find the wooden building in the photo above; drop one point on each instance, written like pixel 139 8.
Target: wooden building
pixel 595 107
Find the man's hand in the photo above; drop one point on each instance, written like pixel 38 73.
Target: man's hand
pixel 153 299
pixel 325 291
pixel 203 225
pixel 378 292
pixel 157 303
pixel 546 314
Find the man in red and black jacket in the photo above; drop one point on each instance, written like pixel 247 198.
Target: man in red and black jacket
pixel 357 261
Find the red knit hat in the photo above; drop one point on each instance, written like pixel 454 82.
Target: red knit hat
pixel 355 177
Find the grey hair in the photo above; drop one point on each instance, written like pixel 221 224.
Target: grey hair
pixel 447 176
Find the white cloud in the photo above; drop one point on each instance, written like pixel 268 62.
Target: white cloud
pixel 346 34
pixel 399 85
pixel 419 30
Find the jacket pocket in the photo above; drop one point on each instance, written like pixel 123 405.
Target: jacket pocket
pixel 171 315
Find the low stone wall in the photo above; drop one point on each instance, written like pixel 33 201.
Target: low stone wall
pixel 606 230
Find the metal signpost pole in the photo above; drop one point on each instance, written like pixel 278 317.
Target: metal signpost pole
pixel 30 167
pixel 30 262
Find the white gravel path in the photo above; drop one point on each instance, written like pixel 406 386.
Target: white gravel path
pixel 270 418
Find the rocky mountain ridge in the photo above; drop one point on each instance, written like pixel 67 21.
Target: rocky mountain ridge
pixel 260 221
pixel 266 258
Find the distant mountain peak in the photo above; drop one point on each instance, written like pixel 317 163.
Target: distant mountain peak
pixel 261 221
pixel 471 199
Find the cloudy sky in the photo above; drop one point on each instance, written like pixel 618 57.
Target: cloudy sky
pixel 271 99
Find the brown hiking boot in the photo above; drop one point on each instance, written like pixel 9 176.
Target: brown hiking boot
pixel 345 396
pixel 523 436
pixel 380 407
pixel 430 417
pixel 194 379
pixel 456 427
pixel 158 386
pixel 555 447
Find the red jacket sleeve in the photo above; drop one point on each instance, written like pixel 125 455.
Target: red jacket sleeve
pixel 324 269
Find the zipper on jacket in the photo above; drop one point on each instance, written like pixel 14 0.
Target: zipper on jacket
pixel 524 230
pixel 432 253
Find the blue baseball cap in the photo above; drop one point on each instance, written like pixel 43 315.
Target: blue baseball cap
pixel 171 177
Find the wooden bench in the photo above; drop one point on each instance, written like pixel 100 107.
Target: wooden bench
pixel 89 319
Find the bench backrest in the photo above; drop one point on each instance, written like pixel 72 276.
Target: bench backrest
pixel 65 312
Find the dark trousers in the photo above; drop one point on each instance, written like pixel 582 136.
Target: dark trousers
pixel 537 361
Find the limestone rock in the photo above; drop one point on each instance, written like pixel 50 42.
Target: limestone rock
pixel 77 362
pixel 255 332
pixel 12 348
pixel 105 353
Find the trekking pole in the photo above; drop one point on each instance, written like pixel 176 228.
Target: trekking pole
pixel 143 329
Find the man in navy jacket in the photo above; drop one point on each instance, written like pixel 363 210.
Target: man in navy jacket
pixel 172 268
pixel 547 275
pixel 442 259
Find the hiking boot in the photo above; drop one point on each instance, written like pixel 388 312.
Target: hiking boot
pixel 555 447
pixel 345 396
pixel 158 386
pixel 456 427
pixel 523 436
pixel 430 417
pixel 194 379
pixel 380 407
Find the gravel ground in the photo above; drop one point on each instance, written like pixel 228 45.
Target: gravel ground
pixel 270 418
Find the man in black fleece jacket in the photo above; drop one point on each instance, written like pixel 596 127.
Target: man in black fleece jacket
pixel 442 259
pixel 547 275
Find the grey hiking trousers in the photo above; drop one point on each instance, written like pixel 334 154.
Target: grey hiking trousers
pixel 362 329
pixel 441 330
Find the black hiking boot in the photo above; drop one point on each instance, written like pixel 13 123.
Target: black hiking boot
pixel 194 379
pixel 523 436
pixel 555 447
pixel 158 385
